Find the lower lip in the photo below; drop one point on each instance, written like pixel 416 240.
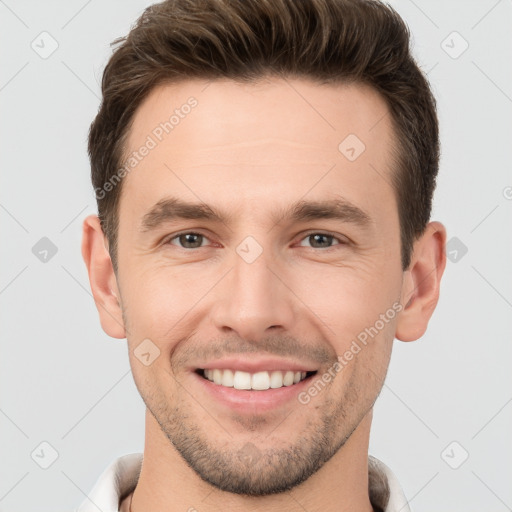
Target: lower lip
pixel 251 401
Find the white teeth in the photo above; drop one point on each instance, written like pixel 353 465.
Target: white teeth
pixel 227 378
pixel 260 380
pixel 257 381
pixel 217 376
pixel 242 380
pixel 288 378
pixel 276 380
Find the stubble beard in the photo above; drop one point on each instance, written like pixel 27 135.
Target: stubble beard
pixel 252 468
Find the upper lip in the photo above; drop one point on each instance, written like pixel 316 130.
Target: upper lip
pixel 257 364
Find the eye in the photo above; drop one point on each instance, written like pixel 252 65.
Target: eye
pixel 317 240
pixel 321 240
pixel 189 240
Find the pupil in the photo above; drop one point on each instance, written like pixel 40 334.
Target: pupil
pixel 320 237
pixel 188 240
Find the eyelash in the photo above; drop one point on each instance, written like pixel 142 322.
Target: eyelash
pixel 305 236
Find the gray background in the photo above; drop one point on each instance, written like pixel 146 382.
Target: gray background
pixel 64 382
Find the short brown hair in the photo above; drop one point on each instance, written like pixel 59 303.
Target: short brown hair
pixel 327 41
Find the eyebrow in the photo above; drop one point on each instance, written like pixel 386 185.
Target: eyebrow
pixel 173 208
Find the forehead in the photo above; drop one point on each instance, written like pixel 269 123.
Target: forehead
pixel 260 109
pixel 246 142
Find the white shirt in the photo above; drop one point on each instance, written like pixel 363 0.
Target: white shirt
pixel 121 477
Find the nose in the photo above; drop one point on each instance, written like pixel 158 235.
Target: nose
pixel 253 300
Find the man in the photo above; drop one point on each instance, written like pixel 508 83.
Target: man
pixel 264 172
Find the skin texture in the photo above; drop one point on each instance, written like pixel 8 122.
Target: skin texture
pixel 249 151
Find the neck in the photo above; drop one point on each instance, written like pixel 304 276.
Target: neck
pixel 167 483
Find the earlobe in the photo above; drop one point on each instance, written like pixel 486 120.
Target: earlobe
pixel 421 283
pixel 102 277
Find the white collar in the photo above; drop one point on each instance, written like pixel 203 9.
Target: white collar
pixel 121 477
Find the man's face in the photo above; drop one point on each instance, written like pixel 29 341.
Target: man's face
pixel 271 284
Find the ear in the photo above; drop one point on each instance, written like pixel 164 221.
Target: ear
pixel 421 283
pixel 102 277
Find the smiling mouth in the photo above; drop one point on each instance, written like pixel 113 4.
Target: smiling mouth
pixel 258 381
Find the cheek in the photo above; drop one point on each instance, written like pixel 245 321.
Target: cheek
pixel 358 312
pixel 363 362
pixel 162 304
pixel 348 300
pixel 157 298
